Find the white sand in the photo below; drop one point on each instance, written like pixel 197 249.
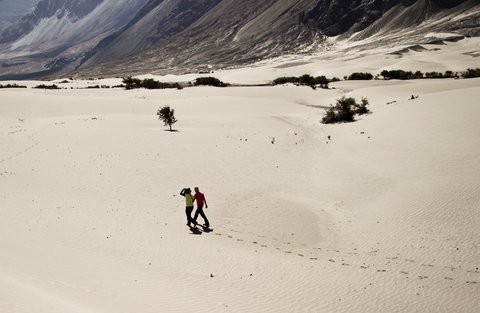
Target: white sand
pixel 384 217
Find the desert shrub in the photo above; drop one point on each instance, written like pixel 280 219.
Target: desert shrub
pixel 471 73
pixel 132 83
pixel 153 84
pixel 360 76
pixel 167 115
pixel 147 83
pixel 330 116
pixel 12 86
pixel 150 83
pixel 209 81
pixel 362 107
pixel 400 74
pixel 433 75
pixel 307 80
pixel 449 74
pixel 323 81
pixel 285 80
pixel 304 80
pixel 42 86
pixel 417 75
pixel 345 110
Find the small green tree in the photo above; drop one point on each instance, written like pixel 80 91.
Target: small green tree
pixel 167 115
pixel 361 108
pixel 131 83
pixel 209 81
pixel 345 110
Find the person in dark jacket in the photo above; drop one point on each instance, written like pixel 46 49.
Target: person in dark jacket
pixel 201 201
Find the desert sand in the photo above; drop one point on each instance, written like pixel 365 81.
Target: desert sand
pixel 381 217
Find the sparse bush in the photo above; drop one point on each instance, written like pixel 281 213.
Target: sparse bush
pixel 449 74
pixel 433 75
pixel 345 110
pixel 417 75
pixel 12 86
pixel 148 83
pixel 167 115
pixel 360 76
pixel 209 81
pixel 304 80
pixel 132 83
pixel 362 107
pixel 42 86
pixel 330 116
pixel 471 73
pixel 401 74
pixel 285 80
pixel 323 81
pixel 307 80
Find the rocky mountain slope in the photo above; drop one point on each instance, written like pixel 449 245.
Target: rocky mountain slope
pixel 103 37
pixel 235 32
pixel 56 34
pixel 11 10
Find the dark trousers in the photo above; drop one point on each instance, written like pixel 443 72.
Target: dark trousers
pixel 188 211
pixel 202 214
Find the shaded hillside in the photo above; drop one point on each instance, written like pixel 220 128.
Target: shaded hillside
pixel 119 37
pixel 234 33
pixel 57 34
pixel 75 10
pixel 157 22
pixel 463 19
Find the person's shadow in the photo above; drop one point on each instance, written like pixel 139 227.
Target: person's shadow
pixel 195 231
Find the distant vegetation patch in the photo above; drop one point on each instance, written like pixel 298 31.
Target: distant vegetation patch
pixel 209 81
pixel 447 74
pixel 148 83
pixel 401 74
pixel 304 80
pixel 97 87
pixel 471 73
pixel 12 86
pixel 42 86
pixel 345 110
pixel 359 76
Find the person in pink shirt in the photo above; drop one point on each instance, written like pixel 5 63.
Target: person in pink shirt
pixel 201 201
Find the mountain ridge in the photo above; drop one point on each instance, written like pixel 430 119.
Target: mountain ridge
pixel 188 35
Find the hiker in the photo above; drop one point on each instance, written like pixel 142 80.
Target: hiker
pixel 200 198
pixel 187 193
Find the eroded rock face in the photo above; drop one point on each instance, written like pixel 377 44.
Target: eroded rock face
pixel 335 17
pixel 74 9
pixel 178 35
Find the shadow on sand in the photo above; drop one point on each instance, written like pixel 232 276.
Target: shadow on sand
pixel 199 231
pixel 195 231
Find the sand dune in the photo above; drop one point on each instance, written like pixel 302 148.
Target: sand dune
pixel 383 217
